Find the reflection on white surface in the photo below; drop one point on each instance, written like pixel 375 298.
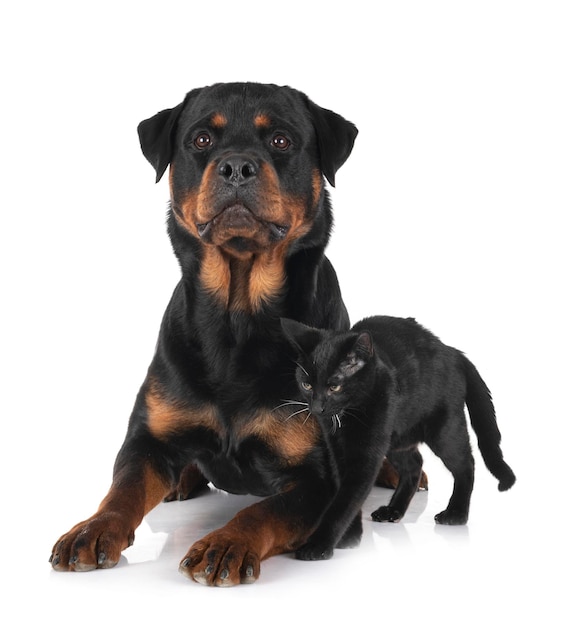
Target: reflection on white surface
pixel 415 566
pixel 503 562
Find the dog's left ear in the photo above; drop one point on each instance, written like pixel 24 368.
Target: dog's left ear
pixel 157 138
pixel 335 136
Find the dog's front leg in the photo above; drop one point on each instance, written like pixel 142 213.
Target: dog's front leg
pixel 278 524
pixel 97 542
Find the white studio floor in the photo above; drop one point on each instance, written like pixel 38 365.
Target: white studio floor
pixel 504 567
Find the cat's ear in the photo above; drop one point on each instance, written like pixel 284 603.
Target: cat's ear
pixel 303 338
pixel 364 345
pixel 359 352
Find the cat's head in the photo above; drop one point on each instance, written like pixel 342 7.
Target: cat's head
pixel 334 369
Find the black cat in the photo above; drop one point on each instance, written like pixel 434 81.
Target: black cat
pixel 379 390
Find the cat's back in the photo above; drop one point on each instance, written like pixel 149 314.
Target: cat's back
pixel 400 338
pixel 425 368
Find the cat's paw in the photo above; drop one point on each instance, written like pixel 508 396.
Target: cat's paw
pixel 314 552
pixel 452 518
pixel 386 514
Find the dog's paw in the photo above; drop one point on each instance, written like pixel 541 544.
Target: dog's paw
pixel 221 560
pixel 423 482
pixel 96 543
pixel 190 485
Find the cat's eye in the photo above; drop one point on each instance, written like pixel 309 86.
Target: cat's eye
pixel 306 386
pixel 335 388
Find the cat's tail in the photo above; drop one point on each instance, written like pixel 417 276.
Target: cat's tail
pixel 484 423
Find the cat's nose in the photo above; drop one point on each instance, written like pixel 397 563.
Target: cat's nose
pixel 317 408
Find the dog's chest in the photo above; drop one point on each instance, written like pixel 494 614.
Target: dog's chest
pixel 240 453
pixel 256 455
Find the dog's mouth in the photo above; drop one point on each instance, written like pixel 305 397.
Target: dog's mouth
pixel 237 224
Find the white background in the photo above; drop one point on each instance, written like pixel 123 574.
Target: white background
pixel 454 207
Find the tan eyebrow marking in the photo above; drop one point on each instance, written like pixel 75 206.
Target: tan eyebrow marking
pixel 219 120
pixel 262 121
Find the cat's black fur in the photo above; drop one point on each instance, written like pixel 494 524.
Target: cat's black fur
pixel 379 390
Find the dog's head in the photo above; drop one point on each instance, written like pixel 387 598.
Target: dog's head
pixel 247 163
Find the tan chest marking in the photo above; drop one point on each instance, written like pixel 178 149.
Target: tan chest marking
pixel 291 438
pixel 167 417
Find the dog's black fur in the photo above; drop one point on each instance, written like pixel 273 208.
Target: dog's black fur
pixel 249 221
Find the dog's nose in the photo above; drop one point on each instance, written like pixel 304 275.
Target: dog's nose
pixel 237 169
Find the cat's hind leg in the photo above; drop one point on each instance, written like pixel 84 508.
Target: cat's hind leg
pixel 451 444
pixel 408 463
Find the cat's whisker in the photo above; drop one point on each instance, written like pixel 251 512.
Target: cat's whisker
pixel 288 403
pixel 335 422
pixel 296 413
pixel 302 368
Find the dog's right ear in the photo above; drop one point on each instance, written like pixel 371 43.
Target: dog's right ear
pixel 157 138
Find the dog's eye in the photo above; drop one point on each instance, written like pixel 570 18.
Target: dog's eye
pixel 203 140
pixel 281 142
pixel 306 386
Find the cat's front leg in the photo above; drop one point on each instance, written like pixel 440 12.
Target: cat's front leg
pixel 315 551
pixel 321 544
pixel 352 536
pixel 408 463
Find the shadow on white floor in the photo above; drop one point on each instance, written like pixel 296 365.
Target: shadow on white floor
pixel 499 569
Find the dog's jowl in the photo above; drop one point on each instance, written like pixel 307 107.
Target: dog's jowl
pixel 249 221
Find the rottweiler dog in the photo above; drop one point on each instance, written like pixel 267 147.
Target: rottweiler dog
pixel 249 221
